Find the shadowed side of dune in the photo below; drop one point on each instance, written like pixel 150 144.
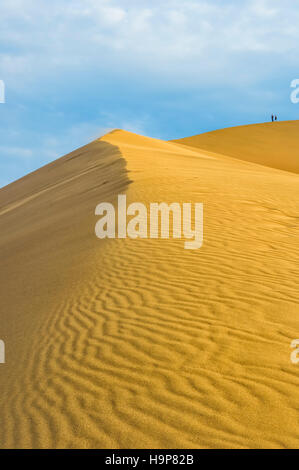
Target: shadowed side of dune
pixel 274 144
pixel 46 242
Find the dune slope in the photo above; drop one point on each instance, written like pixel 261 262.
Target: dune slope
pixel 274 144
pixel 140 343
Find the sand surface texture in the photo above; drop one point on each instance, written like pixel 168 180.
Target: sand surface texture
pixel 125 343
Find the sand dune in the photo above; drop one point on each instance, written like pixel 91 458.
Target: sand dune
pixel 274 144
pixel 139 343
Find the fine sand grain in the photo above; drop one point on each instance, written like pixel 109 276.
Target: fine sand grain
pixel 127 343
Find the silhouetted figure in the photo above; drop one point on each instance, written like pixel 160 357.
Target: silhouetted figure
pixel 275 118
pixel 272 117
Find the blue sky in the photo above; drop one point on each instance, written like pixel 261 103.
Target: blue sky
pixel 73 70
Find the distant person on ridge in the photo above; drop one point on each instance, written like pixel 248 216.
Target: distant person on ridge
pixel 272 117
pixel 275 118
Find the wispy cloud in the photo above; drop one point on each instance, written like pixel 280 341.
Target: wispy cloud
pixel 74 69
pixel 16 152
pixel 171 38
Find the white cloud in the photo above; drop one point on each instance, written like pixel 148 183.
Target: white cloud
pixel 16 152
pixel 194 39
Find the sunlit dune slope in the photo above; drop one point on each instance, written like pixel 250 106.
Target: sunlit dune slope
pixel 139 342
pixel 274 144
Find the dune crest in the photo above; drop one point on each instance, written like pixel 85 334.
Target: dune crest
pixel 274 144
pixel 128 343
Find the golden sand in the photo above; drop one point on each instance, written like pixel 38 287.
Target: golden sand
pixel 127 343
pixel 274 144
